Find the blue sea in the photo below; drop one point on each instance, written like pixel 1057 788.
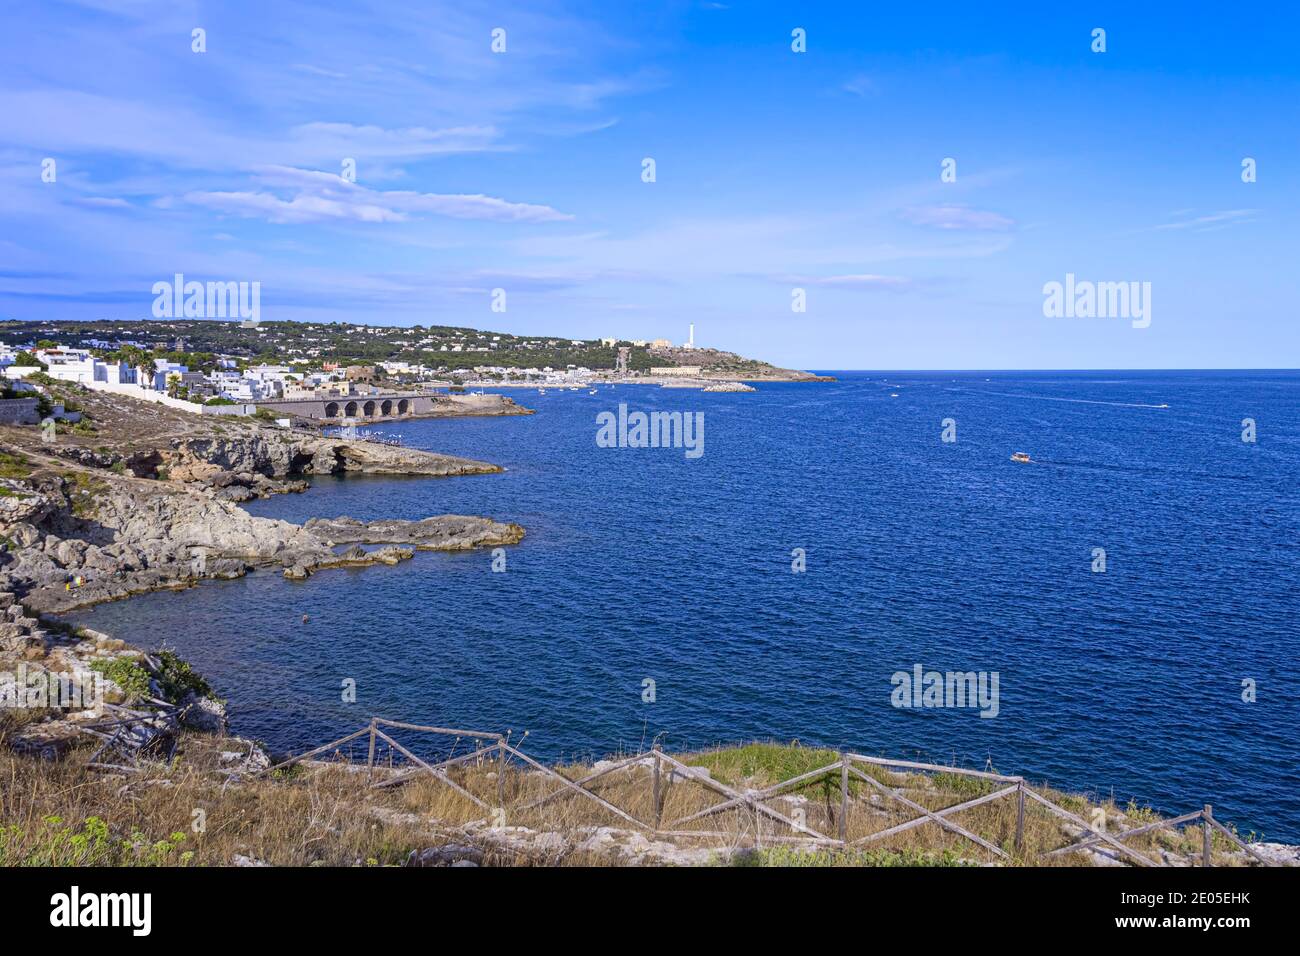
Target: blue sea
pixel 643 564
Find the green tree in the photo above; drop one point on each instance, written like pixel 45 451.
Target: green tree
pixel 28 360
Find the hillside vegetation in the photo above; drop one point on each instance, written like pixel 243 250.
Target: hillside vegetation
pixel 205 809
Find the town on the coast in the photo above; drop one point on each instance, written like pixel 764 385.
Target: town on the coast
pixel 332 373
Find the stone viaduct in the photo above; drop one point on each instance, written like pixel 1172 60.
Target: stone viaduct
pixel 370 408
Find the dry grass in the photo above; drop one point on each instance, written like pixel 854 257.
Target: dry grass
pixel 324 814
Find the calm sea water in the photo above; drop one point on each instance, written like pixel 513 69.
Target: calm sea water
pixel 640 563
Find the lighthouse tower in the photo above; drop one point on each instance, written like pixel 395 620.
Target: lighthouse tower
pixel 690 342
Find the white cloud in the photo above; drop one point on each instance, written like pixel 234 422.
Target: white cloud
pixel 957 218
pixel 320 196
pixel 865 280
pixel 104 202
pixel 861 85
pixel 1211 220
pixel 54 121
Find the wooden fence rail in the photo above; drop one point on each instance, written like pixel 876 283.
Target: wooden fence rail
pixel 845 770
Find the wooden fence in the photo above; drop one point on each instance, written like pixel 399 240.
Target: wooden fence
pixel 848 767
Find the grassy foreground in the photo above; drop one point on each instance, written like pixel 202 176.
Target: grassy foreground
pixel 190 814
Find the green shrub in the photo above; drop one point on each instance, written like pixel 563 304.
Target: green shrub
pixel 178 678
pixel 125 673
pixel 49 842
pixel 14 465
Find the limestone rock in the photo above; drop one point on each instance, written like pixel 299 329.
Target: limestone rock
pixel 204 714
pixel 453 854
pixel 442 533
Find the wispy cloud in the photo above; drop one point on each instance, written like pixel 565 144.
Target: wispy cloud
pixel 320 196
pixel 957 218
pixel 66 121
pixel 1210 220
pixel 860 84
pixel 865 281
pixel 102 202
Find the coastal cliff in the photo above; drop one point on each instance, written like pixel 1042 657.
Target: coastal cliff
pixel 76 539
pixel 155 507
pixel 265 462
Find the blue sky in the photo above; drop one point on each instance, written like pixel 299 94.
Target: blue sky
pixel 775 170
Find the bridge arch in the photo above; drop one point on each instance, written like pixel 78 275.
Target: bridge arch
pixel 386 407
pixel 331 409
pixel 403 406
pixel 369 409
pixel 350 410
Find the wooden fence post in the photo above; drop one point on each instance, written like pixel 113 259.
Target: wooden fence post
pixel 370 758
pixel 657 798
pixel 501 775
pixel 1020 818
pixel 1207 824
pixel 844 797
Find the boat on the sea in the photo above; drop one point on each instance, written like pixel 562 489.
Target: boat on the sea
pixel 893 395
pixel 1020 456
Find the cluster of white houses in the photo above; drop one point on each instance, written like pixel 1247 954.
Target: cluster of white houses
pixel 327 391
pixel 331 393
pixel 256 383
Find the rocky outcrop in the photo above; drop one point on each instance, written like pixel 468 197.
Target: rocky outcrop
pixel 81 526
pixel 20 503
pixel 76 538
pixel 449 854
pixel 460 405
pixel 443 533
pixel 277 454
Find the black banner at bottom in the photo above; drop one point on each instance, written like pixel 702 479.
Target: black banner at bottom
pixel 333 906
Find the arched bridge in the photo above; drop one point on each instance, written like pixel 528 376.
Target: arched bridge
pixel 373 408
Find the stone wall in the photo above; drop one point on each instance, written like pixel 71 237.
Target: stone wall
pixel 18 411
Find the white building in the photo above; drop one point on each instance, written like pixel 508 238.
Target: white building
pixel 231 384
pixel 269 379
pixel 161 370
pixel 69 365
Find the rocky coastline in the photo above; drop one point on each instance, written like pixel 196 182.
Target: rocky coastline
pixel 83 525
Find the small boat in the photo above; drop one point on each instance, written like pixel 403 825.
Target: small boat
pixel 592 392
pixel 1020 456
pixel 893 395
